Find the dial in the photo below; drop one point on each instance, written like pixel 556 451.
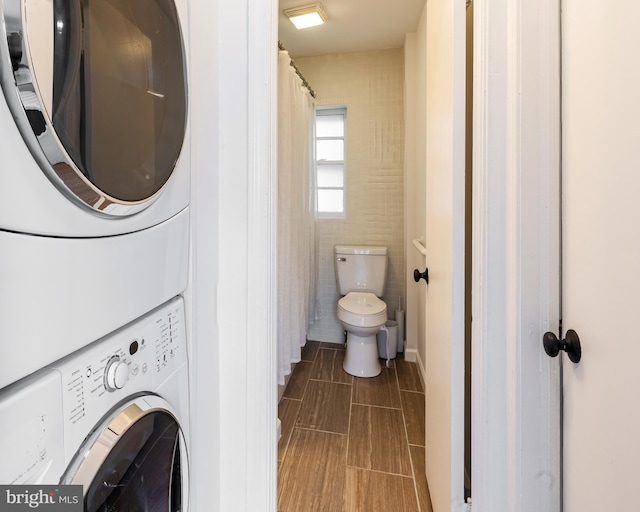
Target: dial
pixel 116 374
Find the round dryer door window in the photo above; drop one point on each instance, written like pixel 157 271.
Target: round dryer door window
pixel 98 90
pixel 135 461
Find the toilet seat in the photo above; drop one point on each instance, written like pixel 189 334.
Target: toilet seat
pixel 362 309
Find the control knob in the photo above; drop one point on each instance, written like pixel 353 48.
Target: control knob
pixel 116 374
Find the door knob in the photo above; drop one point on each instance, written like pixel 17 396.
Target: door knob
pixel 570 344
pixel 417 275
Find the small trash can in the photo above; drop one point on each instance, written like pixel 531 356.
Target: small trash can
pixel 388 340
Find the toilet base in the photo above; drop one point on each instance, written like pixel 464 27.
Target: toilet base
pixel 361 358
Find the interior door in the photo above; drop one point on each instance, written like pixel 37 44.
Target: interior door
pixel 601 252
pixel 444 240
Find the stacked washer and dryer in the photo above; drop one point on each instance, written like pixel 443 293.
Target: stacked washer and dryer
pixel 94 248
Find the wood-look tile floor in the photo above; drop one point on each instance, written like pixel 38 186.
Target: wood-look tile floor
pixel 351 444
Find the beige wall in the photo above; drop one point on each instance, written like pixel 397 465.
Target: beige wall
pixel 416 189
pixel 371 86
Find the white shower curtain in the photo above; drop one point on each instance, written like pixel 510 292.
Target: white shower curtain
pixel 296 215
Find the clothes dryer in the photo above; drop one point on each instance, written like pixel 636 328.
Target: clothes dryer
pixel 94 146
pixel 112 418
pixel 93 126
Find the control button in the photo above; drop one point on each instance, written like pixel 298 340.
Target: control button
pixel 134 370
pixel 144 368
pixel 88 372
pixel 116 374
pixel 133 348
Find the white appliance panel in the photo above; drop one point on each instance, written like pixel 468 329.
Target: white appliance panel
pixel 31 432
pixel 158 364
pixel 60 294
pixel 48 417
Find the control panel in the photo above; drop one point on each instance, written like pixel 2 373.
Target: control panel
pixel 138 358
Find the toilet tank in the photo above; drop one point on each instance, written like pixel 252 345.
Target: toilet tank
pixel 360 269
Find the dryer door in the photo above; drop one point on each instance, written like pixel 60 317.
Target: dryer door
pixel 135 460
pixel 98 90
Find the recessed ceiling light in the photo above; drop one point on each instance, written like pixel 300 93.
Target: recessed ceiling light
pixel 306 15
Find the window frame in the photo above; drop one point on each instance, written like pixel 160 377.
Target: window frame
pixel 332 111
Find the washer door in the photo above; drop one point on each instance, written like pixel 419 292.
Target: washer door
pixel 136 460
pixel 98 90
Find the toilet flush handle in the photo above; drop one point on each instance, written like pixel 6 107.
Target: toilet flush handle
pixel 417 275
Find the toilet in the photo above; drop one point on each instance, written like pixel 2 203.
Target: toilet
pixel 361 275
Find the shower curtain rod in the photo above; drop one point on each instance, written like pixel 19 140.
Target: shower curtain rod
pixel 304 81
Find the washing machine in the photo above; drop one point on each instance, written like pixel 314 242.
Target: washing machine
pixel 113 418
pixel 95 171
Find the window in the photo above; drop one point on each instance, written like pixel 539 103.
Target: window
pixel 330 153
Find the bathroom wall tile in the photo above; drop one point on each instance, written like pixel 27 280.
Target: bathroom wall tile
pixel 287 412
pixel 328 366
pixel 312 476
pixel 413 407
pixel 325 407
pixel 381 390
pixel 408 375
pixel 371 85
pixel 298 381
pixel 377 440
pixel 368 491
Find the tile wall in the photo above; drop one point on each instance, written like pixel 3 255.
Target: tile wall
pixel 371 85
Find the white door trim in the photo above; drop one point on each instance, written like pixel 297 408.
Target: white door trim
pixel 515 387
pixel 232 294
pixel 262 298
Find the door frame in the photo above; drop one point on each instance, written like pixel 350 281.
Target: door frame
pixel 516 251
pixel 516 174
pixel 231 299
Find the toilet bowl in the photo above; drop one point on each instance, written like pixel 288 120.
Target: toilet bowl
pixel 362 315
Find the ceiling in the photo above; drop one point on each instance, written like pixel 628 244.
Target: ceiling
pixel 352 26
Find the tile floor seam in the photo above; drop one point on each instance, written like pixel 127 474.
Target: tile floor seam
pixel 321 431
pixel 379 406
pixel 346 452
pixel 379 471
pixel 331 381
pixel 415 482
pixel 286 446
pixel 306 384
pixel 406 433
pixel 411 391
pixel 347 445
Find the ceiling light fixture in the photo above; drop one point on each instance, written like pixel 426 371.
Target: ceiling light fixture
pixel 307 15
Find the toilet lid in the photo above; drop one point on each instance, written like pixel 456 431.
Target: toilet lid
pixel 362 303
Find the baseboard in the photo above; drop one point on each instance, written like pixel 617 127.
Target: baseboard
pixel 412 355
